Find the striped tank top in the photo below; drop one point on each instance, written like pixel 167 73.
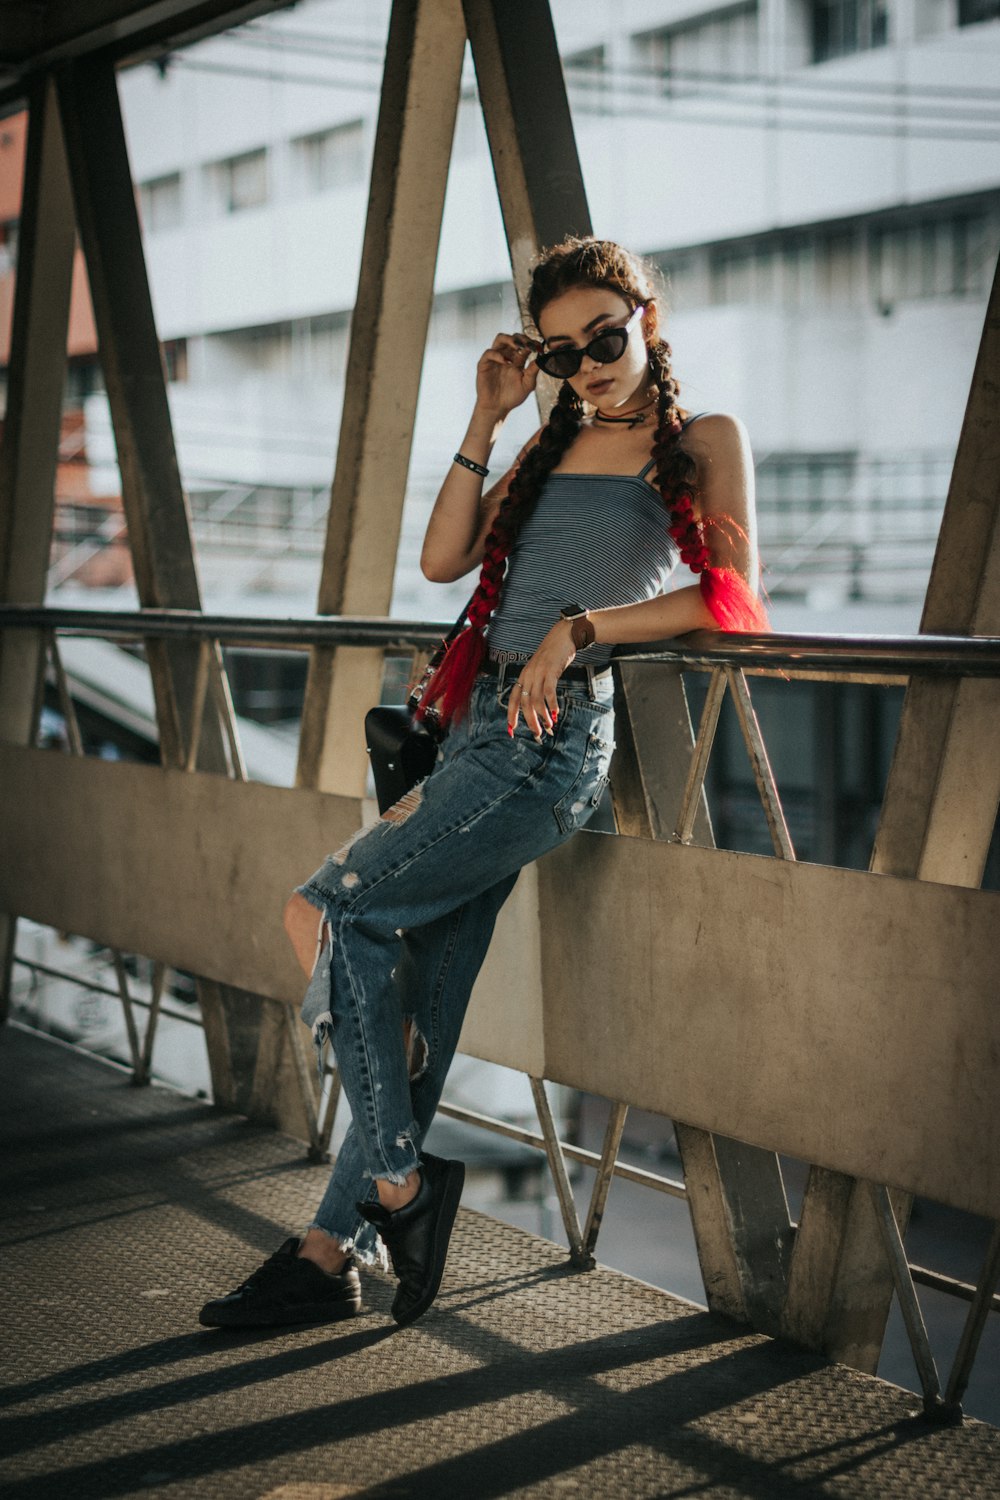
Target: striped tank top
pixel 599 540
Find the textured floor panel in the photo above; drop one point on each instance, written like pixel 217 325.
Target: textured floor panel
pixel 124 1209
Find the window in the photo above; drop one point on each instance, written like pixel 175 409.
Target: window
pixel 586 75
pixel 939 257
pixel 838 265
pixel 840 27
pixel 241 181
pixel 693 57
pixel 160 203
pixel 972 11
pixel 731 273
pixel 175 359
pixel 333 158
pixel 686 275
pixel 804 484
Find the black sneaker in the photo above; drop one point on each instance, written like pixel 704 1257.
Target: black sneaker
pixel 416 1235
pixel 287 1289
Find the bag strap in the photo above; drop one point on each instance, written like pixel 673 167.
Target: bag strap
pixel 413 700
pixel 456 629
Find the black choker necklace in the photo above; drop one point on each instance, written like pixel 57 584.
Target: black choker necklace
pixel 633 418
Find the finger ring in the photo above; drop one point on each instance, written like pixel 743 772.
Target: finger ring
pixel 525 693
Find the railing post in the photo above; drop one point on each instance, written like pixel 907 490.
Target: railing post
pixel 735 1193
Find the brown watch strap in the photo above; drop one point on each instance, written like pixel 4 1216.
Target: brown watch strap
pixel 582 632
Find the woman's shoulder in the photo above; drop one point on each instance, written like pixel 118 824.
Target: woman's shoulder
pixel 708 424
pixel 714 433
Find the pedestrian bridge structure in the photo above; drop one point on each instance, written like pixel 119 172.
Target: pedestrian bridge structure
pixel 846 1018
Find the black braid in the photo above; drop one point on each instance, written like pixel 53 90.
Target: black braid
pixel 675 471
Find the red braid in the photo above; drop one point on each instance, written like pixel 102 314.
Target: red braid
pixel 451 686
pixel 733 604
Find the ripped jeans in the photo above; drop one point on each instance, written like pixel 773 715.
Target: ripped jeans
pixel 409 907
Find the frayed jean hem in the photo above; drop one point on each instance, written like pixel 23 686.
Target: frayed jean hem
pixel 369 1255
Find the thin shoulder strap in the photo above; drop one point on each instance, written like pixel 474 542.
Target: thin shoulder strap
pixel 686 423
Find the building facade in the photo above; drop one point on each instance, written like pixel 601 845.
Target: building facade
pixel 819 182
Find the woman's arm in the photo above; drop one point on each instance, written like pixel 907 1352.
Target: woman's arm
pixel 461 509
pixel 721 449
pixel 463 516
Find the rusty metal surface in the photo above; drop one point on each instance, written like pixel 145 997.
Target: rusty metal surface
pixel 125 1208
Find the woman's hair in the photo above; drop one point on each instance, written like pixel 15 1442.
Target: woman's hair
pixel 597 263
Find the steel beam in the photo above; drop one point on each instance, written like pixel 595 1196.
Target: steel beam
pixel 40 36
pixel 529 127
pixel 937 820
pixel 29 451
pixel 155 505
pixel 944 784
pixel 416 124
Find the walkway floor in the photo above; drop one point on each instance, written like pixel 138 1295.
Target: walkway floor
pixel 125 1208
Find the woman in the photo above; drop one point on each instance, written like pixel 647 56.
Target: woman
pixel 575 544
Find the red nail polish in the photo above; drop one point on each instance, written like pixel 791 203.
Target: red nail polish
pixel 510 730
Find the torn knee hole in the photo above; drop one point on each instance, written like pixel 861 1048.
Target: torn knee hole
pixel 406 806
pixel 415 1044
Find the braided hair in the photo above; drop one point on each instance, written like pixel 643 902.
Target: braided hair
pixel 591 262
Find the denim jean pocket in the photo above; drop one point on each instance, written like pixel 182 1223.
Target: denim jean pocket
pixel 578 803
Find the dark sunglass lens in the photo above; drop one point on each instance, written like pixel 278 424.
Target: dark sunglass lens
pixel 562 363
pixel 607 347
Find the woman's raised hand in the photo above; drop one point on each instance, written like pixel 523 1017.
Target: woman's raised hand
pixel 504 378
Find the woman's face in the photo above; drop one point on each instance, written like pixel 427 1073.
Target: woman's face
pixel 575 318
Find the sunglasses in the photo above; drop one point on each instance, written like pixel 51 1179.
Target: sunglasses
pixel 604 348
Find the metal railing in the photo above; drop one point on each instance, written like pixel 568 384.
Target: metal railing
pixel 851 657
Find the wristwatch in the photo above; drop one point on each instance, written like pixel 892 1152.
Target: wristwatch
pixel 582 630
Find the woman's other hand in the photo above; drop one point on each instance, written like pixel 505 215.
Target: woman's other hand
pixel 533 697
pixel 504 378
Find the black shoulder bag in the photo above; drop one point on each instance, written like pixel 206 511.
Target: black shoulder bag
pixel 402 750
